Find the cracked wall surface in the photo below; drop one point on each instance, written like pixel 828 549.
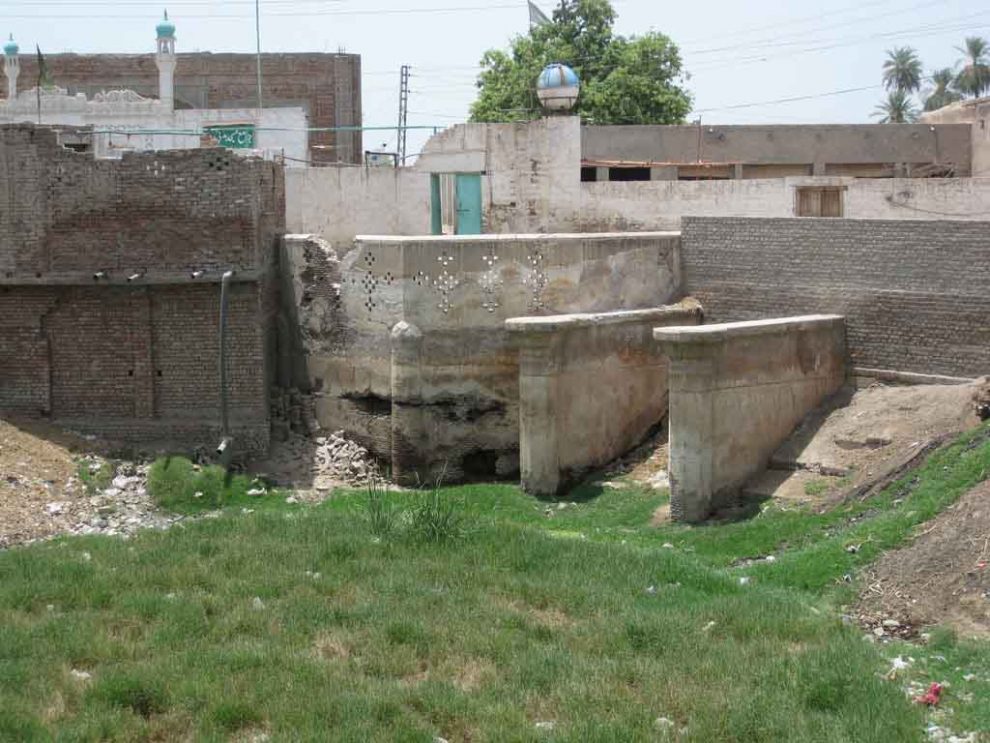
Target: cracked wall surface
pixel 413 358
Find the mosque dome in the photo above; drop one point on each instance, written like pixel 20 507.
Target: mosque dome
pixel 11 48
pixel 165 27
pixel 557 87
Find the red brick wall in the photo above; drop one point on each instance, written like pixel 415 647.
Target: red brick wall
pixel 327 85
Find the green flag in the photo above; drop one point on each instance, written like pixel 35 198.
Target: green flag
pixel 44 76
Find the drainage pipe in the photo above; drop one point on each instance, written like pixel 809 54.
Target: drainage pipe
pixel 225 440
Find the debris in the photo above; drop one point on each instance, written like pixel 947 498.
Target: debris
pixel 852 549
pixel 663 723
pixel 744 580
pixel 547 725
pixel 257 604
pixel 80 675
pixel 651 590
pixel 254 492
pixel 930 697
pixel 668 546
pixel 708 626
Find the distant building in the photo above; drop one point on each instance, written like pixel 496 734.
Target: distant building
pixel 325 87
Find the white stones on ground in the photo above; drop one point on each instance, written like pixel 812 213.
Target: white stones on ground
pixel 660 480
pixel 257 604
pixel 254 492
pixel 78 675
pixel 545 725
pixel 663 723
pixel 54 508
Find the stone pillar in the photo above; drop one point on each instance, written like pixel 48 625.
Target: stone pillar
pixel 407 417
pixel 691 378
pixel 538 460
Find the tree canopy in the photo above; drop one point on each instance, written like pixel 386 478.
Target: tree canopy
pixel 624 80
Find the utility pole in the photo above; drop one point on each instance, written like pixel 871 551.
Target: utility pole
pixel 403 115
pixel 257 35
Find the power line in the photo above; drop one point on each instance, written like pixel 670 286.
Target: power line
pixel 291 14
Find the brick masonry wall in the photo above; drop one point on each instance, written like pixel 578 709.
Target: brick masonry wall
pixel 328 86
pixel 914 293
pixel 136 360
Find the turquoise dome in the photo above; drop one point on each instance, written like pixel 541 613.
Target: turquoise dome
pixel 165 28
pixel 556 76
pixel 11 48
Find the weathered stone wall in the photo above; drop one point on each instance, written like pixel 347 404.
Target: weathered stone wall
pixel 737 390
pixel 419 366
pixel 913 293
pixel 133 352
pixel 591 386
pixel 328 86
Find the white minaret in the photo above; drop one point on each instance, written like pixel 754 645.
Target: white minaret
pixel 11 67
pixel 165 59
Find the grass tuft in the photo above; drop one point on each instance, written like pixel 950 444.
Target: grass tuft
pixel 435 518
pixel 382 513
pixel 143 696
pixel 177 484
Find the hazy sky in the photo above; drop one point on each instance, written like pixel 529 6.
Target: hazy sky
pixel 737 52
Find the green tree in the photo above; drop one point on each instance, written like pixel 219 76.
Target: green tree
pixel 902 70
pixel 943 91
pixel 634 80
pixel 898 108
pixel 974 77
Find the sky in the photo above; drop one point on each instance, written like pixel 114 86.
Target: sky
pixel 748 61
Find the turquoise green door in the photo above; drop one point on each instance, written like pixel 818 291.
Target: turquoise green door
pixel 468 189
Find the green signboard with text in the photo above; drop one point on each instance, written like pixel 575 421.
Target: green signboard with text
pixel 235 136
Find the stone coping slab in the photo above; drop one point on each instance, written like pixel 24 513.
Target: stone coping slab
pixel 517 237
pixel 553 323
pixel 719 332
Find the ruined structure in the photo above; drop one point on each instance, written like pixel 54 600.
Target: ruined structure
pixel 109 289
pixel 326 87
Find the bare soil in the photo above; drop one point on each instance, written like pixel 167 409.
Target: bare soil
pixel 859 439
pixel 37 468
pixel 942 577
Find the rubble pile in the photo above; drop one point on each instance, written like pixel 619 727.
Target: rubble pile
pixel 318 464
pixel 122 508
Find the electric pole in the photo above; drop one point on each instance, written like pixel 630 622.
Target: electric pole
pixel 403 115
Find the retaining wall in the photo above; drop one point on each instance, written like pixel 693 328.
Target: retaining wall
pixel 737 390
pixel 591 386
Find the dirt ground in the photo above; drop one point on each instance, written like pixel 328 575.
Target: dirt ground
pixel 859 439
pixel 37 468
pixel 942 577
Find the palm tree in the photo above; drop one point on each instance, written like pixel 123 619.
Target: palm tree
pixel 943 93
pixel 974 77
pixel 902 70
pixel 896 109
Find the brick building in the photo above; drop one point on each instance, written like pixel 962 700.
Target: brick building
pixel 327 86
pixel 103 326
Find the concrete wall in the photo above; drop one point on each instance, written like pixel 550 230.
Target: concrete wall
pixel 328 86
pixel 976 113
pixel 817 146
pixel 652 205
pixel 913 292
pixel 591 386
pixel 135 359
pixel 736 392
pixel 405 338
pixel 532 171
pixel 338 203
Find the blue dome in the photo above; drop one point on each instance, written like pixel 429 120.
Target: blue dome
pixel 11 48
pixel 165 27
pixel 556 76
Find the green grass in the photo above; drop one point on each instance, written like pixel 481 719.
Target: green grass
pixel 178 485
pixel 816 487
pixel 298 622
pixel 95 477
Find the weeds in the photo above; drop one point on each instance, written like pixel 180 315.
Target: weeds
pixel 383 514
pixel 432 518
pixel 435 518
pixel 95 475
